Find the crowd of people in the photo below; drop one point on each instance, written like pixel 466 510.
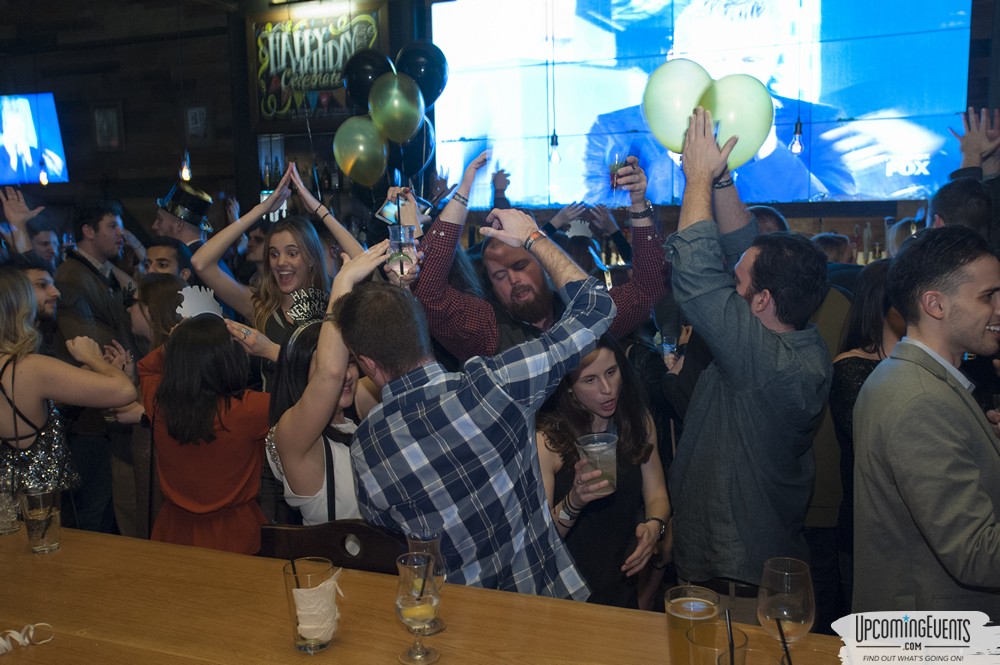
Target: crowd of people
pixel 316 379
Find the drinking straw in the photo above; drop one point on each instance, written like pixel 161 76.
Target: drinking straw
pixel 729 634
pixel 784 642
pixel 427 570
pixel 295 573
pixel 399 220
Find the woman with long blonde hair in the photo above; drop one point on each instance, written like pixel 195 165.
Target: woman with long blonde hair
pixel 294 286
pixel 32 446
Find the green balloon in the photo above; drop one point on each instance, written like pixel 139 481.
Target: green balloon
pixel 397 106
pixel 742 107
pixel 672 92
pixel 360 150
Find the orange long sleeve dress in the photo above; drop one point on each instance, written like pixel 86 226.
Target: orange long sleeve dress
pixel 210 490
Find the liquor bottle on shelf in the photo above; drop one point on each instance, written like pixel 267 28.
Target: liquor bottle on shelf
pixel 325 180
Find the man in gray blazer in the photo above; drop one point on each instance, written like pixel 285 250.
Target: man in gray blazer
pixel 927 470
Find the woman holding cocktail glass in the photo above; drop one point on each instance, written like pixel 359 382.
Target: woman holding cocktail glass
pixel 603 531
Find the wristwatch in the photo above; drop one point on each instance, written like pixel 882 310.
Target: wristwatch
pixel 663 527
pixel 647 212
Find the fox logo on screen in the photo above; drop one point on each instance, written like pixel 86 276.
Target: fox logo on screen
pixel 908 165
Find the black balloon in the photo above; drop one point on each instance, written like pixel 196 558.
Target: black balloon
pixel 425 64
pixel 415 155
pixel 360 73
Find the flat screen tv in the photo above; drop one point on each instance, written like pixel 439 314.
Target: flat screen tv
pixel 30 140
pixel 876 86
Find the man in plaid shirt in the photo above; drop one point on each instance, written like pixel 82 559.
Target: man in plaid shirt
pixel 455 452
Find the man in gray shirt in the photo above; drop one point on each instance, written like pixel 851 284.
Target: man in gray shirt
pixel 744 469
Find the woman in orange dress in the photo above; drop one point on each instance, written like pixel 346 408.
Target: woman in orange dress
pixel 208 434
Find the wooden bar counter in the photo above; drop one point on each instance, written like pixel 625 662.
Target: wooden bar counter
pixel 116 600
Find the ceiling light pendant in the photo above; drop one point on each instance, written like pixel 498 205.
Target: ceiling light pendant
pixel 796 147
pixel 554 148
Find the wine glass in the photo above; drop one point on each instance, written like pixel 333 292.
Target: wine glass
pixel 429 542
pixel 416 604
pixel 785 603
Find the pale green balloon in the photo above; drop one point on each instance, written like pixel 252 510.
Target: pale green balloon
pixel 672 92
pixel 742 106
pixel 360 150
pixel 397 106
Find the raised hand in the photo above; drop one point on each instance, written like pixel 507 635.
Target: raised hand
pixel 281 192
pixel 501 180
pixel 511 227
pixel 604 220
pixel 232 210
pixel 632 179
pixel 15 210
pixel 980 139
pixel 309 202
pixel 568 214
pixel 702 158
pixel 356 270
pixel 474 166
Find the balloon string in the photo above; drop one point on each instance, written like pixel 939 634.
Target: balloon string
pixel 24 638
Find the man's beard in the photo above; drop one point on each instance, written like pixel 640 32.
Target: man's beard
pixel 536 309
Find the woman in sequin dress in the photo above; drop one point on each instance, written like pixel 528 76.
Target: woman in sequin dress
pixel 32 447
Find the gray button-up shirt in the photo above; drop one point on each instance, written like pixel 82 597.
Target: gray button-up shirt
pixel 744 469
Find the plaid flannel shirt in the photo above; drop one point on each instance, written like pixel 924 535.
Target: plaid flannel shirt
pixel 455 453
